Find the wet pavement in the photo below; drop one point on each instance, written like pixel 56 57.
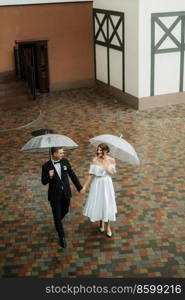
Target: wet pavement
pixel 149 233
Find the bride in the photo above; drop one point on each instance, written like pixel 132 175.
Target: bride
pixel 100 204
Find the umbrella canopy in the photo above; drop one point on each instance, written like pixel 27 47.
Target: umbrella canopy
pixel 119 148
pixel 48 141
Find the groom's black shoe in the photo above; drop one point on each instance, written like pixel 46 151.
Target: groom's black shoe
pixel 62 242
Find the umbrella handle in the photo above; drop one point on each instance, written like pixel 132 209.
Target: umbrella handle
pixel 114 152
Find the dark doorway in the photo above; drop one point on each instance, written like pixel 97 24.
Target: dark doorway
pixel 31 63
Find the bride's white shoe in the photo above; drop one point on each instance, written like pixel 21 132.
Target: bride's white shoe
pixel 109 233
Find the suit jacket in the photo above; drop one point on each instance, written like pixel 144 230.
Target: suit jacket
pixel 56 185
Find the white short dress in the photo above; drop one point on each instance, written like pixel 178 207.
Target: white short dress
pixel 101 204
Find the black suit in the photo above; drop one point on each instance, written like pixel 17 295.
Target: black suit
pixel 59 191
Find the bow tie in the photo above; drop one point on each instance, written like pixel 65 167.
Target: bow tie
pixel 56 162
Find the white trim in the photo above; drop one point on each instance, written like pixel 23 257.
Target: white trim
pixel 23 2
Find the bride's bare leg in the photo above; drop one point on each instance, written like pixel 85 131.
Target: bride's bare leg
pixel 102 226
pixel 109 232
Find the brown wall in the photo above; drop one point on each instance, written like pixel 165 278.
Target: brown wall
pixel 69 31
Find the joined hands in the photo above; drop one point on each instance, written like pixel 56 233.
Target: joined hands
pixel 82 191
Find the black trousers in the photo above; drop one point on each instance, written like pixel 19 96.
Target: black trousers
pixel 60 208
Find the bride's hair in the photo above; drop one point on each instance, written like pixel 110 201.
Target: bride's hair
pixel 104 148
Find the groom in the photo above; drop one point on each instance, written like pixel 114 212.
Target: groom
pixel 55 172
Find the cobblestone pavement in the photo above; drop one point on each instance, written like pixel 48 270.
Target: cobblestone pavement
pixel 149 233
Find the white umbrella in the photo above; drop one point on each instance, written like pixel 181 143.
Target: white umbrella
pixel 49 140
pixel 119 148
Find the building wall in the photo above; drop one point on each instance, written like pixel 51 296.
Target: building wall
pixel 67 27
pixel 21 2
pixel 138 47
pixel 167 66
pixel 130 8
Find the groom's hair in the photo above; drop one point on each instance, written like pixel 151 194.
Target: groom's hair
pixel 55 149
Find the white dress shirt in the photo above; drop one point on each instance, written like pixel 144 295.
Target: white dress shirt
pixel 57 168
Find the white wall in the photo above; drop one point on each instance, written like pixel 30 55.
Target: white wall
pixel 167 65
pixel 138 48
pixel 130 8
pixel 19 2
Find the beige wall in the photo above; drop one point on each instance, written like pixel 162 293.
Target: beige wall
pixel 68 29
